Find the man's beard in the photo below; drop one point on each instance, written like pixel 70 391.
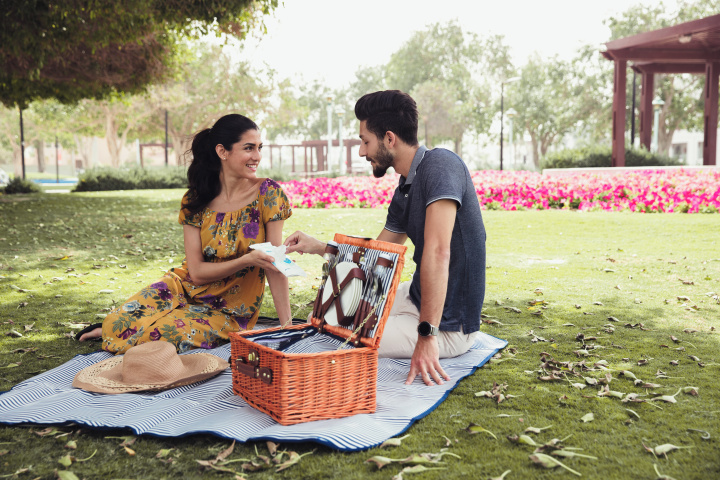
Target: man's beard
pixel 383 160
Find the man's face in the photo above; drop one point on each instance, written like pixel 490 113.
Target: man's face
pixel 374 150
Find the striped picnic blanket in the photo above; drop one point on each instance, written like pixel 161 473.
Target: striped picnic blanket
pixel 211 407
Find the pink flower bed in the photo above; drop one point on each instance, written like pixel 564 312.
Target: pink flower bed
pixel 640 191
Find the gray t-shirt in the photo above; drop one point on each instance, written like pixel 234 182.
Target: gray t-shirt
pixel 435 175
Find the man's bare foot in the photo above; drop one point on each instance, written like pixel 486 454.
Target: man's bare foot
pixel 91 334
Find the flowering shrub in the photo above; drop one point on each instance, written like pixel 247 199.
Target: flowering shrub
pixel 366 192
pixel 687 191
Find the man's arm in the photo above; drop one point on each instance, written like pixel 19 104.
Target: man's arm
pixel 392 237
pixel 434 266
pixel 301 242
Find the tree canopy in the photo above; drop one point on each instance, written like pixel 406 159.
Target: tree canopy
pixel 79 49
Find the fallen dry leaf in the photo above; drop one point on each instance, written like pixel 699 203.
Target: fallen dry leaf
pixel 502 476
pixel 474 428
pixel 549 462
pixel 588 417
pixel 392 442
pixel 294 459
pixel 663 449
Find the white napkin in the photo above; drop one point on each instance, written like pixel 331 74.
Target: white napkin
pixel 284 264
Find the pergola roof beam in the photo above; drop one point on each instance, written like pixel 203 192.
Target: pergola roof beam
pixel 665 54
pixel 693 28
pixel 652 67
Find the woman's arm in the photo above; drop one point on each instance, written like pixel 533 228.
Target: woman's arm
pixel 278 281
pixel 202 272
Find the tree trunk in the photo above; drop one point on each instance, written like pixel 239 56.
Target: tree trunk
pixel 545 142
pixel 40 152
pixel 665 141
pixel 17 160
pixel 180 144
pixel 111 137
pixel 458 146
pixel 84 147
pixel 535 149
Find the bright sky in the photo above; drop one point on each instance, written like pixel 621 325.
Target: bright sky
pixel 330 39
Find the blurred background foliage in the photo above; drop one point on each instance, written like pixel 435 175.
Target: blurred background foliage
pixel 454 76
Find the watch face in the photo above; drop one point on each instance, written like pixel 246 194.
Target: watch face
pixel 424 329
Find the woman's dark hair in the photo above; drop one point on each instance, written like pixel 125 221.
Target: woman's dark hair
pixel 389 110
pixel 204 172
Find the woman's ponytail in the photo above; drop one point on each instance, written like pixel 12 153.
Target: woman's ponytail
pixel 203 172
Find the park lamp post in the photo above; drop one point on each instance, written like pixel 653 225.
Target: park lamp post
pixel 657 105
pixel 340 112
pixel 511 114
pixel 329 99
pixel 502 113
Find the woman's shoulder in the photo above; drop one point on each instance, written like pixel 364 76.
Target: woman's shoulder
pixel 186 215
pixel 268 185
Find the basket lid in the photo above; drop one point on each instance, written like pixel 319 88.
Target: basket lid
pixel 355 335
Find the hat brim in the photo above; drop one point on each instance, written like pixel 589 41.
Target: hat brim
pixel 106 376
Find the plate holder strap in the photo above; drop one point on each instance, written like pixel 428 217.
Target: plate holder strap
pixel 335 298
pixel 347 321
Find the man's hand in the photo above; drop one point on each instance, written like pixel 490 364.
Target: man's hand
pixel 301 242
pixel 426 362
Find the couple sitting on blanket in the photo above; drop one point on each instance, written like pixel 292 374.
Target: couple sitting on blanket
pixel 219 287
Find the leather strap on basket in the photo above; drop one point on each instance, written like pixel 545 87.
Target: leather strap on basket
pixel 335 298
pixel 358 255
pixel 385 262
pixel 250 366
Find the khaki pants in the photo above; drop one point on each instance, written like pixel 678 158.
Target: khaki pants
pixel 400 335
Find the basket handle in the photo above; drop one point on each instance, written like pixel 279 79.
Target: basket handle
pixel 250 366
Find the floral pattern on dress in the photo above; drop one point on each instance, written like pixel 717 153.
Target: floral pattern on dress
pixel 176 310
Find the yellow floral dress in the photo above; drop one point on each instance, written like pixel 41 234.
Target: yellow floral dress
pixel 176 310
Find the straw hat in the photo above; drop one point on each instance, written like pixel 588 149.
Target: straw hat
pixel 148 366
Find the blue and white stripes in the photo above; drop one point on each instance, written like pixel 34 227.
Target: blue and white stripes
pixel 211 407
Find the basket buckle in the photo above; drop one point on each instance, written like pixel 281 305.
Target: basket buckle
pixel 250 366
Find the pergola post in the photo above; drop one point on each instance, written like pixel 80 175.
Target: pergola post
pixel 618 120
pixel 646 109
pixel 712 72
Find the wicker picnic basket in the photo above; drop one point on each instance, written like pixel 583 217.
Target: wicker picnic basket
pixel 271 372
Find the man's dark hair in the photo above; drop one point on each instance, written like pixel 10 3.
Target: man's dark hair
pixel 389 110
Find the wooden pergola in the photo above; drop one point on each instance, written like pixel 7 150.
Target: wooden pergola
pixel 691 47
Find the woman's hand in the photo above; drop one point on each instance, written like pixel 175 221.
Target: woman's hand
pixel 260 259
pixel 301 242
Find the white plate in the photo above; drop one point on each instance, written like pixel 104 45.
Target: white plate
pixel 349 297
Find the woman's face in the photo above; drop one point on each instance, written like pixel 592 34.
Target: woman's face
pixel 244 158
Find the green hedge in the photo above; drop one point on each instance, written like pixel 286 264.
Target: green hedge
pixel 104 178
pixel 601 156
pixel 18 185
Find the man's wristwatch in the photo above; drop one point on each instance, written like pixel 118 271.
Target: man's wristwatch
pixel 426 329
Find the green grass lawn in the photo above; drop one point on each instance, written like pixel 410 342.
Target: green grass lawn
pixel 641 289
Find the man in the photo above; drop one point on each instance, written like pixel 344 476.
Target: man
pixel 437 314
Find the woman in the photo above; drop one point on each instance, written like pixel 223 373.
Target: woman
pixel 220 285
